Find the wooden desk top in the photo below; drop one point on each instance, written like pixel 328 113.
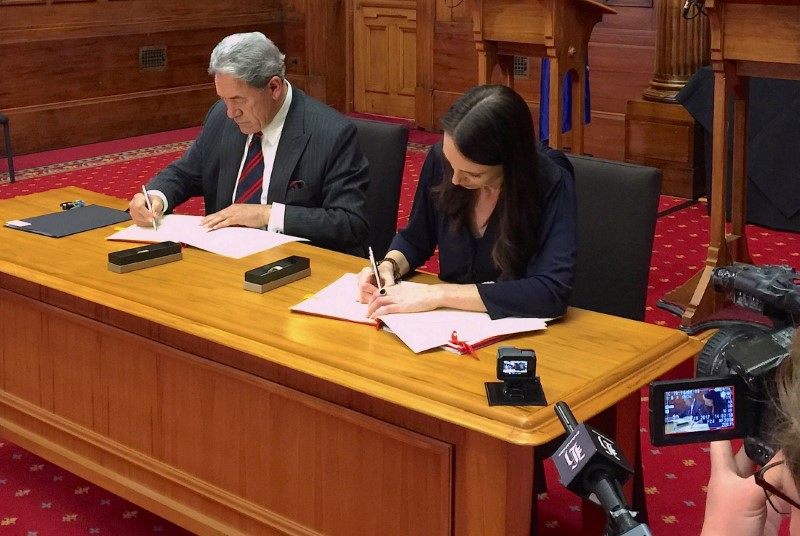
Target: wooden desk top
pixel 589 360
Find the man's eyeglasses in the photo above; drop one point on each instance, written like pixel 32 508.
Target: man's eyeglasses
pixel 771 491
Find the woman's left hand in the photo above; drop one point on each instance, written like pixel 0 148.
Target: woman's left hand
pixel 405 299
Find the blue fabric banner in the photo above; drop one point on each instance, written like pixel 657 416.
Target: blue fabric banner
pixel 566 102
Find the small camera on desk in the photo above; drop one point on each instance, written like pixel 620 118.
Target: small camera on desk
pixel 520 385
pixel 276 274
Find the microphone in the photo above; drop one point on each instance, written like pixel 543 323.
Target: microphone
pixel 685 10
pixel 591 465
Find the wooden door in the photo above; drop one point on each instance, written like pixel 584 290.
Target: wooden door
pixel 385 49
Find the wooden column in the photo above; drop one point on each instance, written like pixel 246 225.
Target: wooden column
pixel 658 131
pixel 682 47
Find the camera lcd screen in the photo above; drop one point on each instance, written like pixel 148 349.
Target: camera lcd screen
pixel 696 410
pixel 515 364
pixel 515 367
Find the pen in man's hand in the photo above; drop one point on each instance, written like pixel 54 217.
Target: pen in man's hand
pixel 149 206
pixel 375 272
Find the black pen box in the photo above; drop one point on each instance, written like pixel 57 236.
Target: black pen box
pixel 276 274
pixel 146 256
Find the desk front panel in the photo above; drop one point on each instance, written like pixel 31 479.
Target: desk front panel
pixel 221 410
pixel 228 451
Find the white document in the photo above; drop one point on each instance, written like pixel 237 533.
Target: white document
pixel 236 242
pixel 338 300
pixel 419 331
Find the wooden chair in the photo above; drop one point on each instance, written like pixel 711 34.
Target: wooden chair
pixel 384 145
pixel 9 154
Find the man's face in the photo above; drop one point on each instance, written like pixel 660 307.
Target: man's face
pixel 251 108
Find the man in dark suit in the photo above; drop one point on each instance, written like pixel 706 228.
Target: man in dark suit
pixel 309 179
pixel 696 408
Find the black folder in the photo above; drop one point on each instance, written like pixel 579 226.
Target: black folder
pixel 68 222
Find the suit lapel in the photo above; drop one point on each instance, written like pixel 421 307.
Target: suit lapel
pixel 290 147
pixel 231 150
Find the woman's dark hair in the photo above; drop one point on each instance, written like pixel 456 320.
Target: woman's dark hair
pixel 718 404
pixel 492 125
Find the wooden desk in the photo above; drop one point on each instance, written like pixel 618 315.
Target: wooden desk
pixel 555 29
pixel 222 411
pixel 748 38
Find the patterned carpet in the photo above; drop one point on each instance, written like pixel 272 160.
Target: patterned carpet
pixel 39 499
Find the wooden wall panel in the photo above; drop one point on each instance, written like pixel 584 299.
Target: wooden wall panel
pixel 77 63
pixel 621 58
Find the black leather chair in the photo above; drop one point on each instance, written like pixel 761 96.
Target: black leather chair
pixel 617 210
pixel 9 154
pixel 384 145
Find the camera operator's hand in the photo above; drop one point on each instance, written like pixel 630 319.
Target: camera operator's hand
pixel 735 503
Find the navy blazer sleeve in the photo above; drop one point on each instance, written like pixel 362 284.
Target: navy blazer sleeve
pixel 544 290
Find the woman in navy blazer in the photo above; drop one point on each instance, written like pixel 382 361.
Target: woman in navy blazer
pixel 501 210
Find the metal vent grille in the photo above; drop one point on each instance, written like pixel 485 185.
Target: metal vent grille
pixel 152 58
pixel 521 67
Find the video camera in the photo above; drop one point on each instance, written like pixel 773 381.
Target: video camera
pixel 731 394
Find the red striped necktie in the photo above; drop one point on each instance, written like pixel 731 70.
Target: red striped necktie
pixel 248 189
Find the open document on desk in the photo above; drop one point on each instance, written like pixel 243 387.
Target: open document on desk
pixel 236 242
pixel 450 329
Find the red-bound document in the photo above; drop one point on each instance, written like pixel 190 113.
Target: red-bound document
pixel 450 329
pixel 454 330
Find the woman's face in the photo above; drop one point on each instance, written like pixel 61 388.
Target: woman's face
pixel 469 174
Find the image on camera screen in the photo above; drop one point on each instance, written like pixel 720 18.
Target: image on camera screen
pixel 515 367
pixel 699 410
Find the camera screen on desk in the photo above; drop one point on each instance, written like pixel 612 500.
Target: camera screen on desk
pixel 515 367
pixel 687 411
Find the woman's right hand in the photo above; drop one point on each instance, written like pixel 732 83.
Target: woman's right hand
pixel 366 281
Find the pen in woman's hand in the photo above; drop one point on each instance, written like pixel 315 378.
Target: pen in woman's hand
pixel 378 283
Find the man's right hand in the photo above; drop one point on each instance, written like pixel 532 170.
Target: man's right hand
pixel 139 213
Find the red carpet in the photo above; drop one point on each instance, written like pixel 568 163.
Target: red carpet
pixel 39 499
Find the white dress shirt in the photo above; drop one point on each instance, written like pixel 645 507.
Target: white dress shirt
pixel 271 136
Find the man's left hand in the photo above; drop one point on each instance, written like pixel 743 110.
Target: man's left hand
pixel 242 215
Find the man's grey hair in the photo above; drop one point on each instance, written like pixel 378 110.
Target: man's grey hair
pixel 248 56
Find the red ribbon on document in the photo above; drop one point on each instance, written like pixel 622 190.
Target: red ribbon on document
pixel 462 346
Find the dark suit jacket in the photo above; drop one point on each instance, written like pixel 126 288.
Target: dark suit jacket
pixel 319 173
